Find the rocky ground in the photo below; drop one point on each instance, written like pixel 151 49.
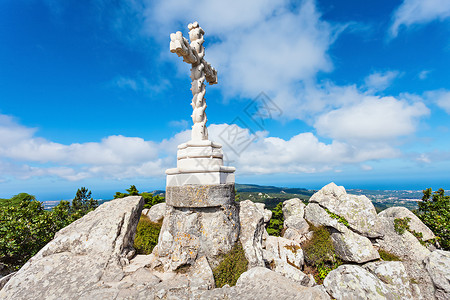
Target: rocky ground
pixel 93 257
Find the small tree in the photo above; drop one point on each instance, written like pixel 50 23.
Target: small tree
pixel 434 211
pixel 133 191
pixel 83 201
pixel 275 226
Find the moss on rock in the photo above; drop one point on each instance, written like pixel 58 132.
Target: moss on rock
pixel 231 267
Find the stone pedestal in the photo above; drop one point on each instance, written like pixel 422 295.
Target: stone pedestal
pixel 199 162
pixel 201 216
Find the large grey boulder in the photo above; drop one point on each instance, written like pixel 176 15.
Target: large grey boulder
pixel 286 257
pixel 89 252
pixel 156 212
pixel 262 283
pixel 414 224
pixel 349 246
pixel 438 266
pixel 251 234
pixel 357 210
pixel 394 274
pixel 406 246
pixel 351 282
pixel 295 226
pixel 352 247
pixel 288 251
pixel 189 233
pixel 266 212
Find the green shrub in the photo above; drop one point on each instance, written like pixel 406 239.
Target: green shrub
pixel 149 198
pixel 231 267
pixel 275 225
pixel 401 225
pixel 434 211
pixel 337 217
pixel 147 233
pixel 319 253
pixel 387 256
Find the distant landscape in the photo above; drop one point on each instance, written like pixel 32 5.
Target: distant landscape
pixel 272 195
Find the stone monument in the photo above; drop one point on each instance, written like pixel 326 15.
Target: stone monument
pixel 201 215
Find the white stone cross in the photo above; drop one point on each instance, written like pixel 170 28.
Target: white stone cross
pixel 193 54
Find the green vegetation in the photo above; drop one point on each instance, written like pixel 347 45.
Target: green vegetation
pixel 146 235
pixel 401 225
pixel 149 198
pixel 275 225
pixel 387 256
pixel 231 267
pixel 319 253
pixel 25 227
pixel 15 200
pixel 339 218
pixel 434 211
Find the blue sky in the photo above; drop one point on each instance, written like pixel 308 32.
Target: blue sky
pixel 358 93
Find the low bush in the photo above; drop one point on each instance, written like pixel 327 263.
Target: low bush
pixel 146 235
pixel 387 256
pixel 275 225
pixel 319 253
pixel 231 267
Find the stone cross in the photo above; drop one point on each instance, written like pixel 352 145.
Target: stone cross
pixel 201 70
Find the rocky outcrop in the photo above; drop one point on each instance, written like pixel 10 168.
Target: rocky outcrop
pixel 252 230
pixel 262 283
pixel 295 226
pixel 438 266
pixel 156 212
pixel 267 213
pixel 88 252
pixel 415 224
pixel 349 246
pixel 357 210
pixel 392 273
pixel 354 282
pixel 406 246
pixel 352 247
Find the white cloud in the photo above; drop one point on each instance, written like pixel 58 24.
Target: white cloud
pixel 303 153
pixel 424 74
pixel 120 157
pixel 380 81
pixel 372 119
pixel 441 98
pixel 419 12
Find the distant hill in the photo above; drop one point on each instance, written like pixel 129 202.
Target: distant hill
pixel 270 189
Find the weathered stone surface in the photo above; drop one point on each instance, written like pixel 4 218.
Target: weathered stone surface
pixel 438 266
pixel 82 255
pixel 394 274
pixel 349 246
pixel 288 251
pixel 353 282
pixel 414 224
pixel 156 212
pixel 357 210
pixel 266 212
pixel 252 229
pixel 5 279
pixel 352 247
pixel 405 245
pixel 296 235
pixel 293 207
pixel 319 217
pixel 262 283
pixel 198 195
pixel 189 233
